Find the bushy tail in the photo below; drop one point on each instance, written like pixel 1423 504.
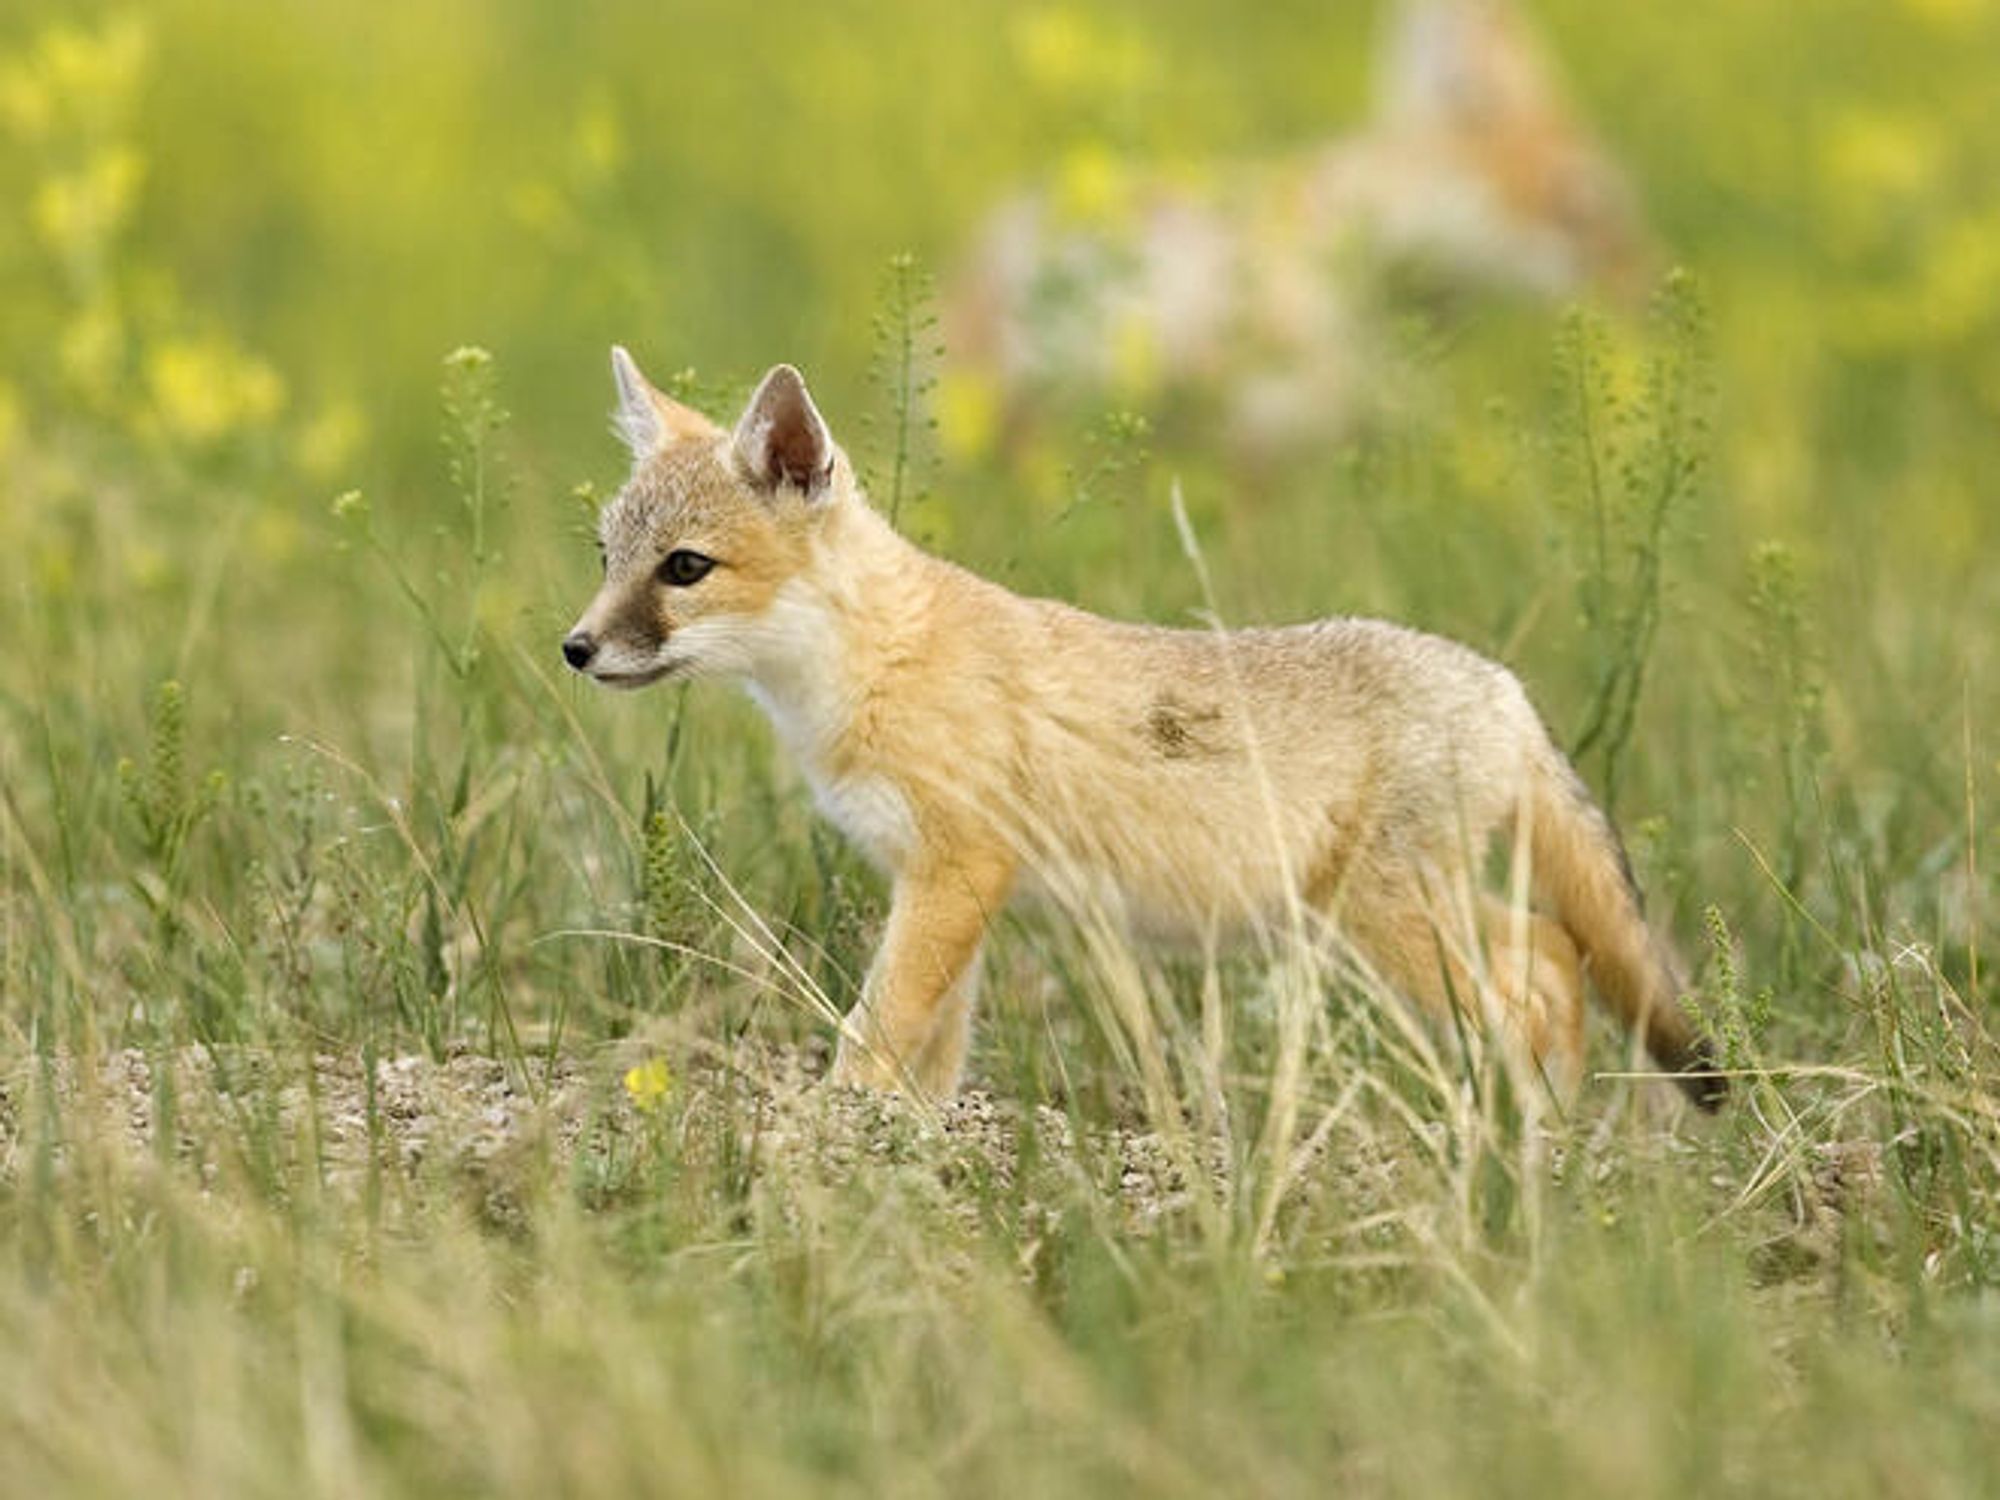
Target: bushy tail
pixel 1581 871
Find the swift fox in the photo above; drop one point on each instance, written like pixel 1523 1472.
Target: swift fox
pixel 1256 287
pixel 1189 784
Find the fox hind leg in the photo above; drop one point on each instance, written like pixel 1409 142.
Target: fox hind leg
pixel 1516 965
pixel 1538 974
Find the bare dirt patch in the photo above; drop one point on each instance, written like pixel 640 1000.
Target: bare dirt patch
pixel 499 1131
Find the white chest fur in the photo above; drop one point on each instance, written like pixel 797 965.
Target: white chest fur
pixel 873 812
pixel 870 809
pixel 805 691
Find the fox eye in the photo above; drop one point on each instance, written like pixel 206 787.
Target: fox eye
pixel 682 568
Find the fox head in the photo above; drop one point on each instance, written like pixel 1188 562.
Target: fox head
pixel 700 542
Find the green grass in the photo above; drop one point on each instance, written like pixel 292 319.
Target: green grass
pixel 294 791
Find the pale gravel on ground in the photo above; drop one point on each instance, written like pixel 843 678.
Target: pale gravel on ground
pixel 497 1136
pixel 477 1120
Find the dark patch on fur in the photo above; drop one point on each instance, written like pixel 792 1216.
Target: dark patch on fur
pixel 1178 732
pixel 637 620
pixel 1327 879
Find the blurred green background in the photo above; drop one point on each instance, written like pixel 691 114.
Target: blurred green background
pixel 244 237
pixel 339 193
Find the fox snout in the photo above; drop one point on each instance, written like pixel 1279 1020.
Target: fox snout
pixel 612 649
pixel 604 661
pixel 600 644
pixel 617 636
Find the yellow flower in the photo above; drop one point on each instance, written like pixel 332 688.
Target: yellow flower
pixel 1961 276
pixel 72 78
pixel 1948 12
pixel 597 144
pixel 648 1084
pixel 1054 47
pixel 26 104
pixel 1135 356
pixel 80 211
pixel 1093 186
pixel 90 351
pixel 93 66
pixel 331 438
pixel 1064 52
pixel 968 414
pixel 10 420
pixel 1875 163
pixel 204 390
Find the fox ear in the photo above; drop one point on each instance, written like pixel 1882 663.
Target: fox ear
pixel 781 438
pixel 646 419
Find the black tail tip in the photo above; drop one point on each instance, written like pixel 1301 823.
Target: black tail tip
pixel 1696 1071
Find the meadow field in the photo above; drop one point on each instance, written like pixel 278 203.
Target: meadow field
pixel 408 1050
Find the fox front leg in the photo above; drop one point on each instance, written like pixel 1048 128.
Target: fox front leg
pixel 937 919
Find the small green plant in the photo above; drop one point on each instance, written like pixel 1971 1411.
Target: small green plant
pixel 437 948
pixel 1788 680
pixel 903 367
pixel 165 808
pixel 1737 1020
pixel 676 894
pixel 473 421
pixel 1115 448
pixel 1635 461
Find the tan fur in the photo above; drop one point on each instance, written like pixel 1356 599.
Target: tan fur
pixel 1256 283
pixel 1185 785
pixel 1631 968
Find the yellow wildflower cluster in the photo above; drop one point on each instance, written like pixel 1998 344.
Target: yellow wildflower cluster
pixel 71 82
pixel 1925 254
pixel 78 213
pixel 1070 54
pixel 69 94
pixel 1879 168
pixel 1094 186
pixel 205 390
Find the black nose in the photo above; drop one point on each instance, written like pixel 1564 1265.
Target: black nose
pixel 578 649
